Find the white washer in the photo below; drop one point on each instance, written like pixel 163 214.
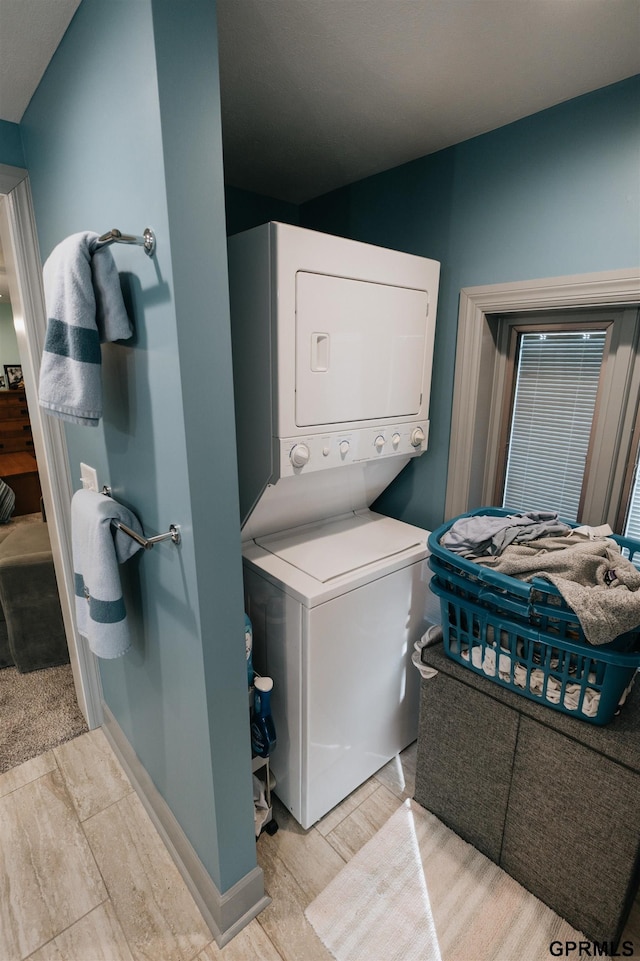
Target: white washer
pixel 336 608
pixel 333 348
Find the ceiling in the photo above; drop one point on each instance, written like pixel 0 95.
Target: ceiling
pixel 30 31
pixel 317 94
pixel 320 93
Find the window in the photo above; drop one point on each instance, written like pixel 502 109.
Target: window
pixel 484 386
pixel 568 407
pixel 632 520
pixel 556 385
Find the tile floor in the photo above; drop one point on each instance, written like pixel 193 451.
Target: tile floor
pixel 85 877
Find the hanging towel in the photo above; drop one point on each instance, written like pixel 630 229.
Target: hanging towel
pixel 84 309
pixel 98 549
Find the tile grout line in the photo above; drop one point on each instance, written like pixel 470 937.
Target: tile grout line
pixel 132 952
pixel 135 954
pixel 25 783
pixel 107 807
pixel 302 899
pixel 75 815
pixel 68 927
pixel 331 840
pixel 81 824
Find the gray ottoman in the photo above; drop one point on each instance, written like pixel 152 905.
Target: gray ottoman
pixel 30 601
pixel 6 659
pixel 553 800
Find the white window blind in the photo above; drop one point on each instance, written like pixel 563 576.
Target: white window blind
pixel 632 528
pixel 556 387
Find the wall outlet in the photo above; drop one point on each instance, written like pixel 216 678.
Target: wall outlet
pixel 89 477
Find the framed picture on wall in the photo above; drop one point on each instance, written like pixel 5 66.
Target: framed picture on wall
pixel 13 375
pixel 3 383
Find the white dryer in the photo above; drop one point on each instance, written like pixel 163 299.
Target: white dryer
pixel 333 347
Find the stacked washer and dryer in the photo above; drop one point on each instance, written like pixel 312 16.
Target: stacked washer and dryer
pixel 333 350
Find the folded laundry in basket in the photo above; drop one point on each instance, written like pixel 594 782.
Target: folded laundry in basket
pixel 481 534
pixel 600 585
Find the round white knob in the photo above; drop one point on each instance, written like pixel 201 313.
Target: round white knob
pixel 299 455
pixel 395 440
pixel 417 437
pixel 379 442
pixel 344 447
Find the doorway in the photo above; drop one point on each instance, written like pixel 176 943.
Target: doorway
pixel 23 273
pixel 18 463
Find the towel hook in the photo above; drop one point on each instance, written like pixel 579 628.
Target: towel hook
pixel 115 236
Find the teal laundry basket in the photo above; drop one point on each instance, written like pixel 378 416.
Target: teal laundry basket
pixel 523 636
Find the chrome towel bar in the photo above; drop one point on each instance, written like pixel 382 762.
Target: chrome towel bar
pixel 146 542
pixel 148 239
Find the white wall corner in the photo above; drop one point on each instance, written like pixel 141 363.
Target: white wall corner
pixel 24 274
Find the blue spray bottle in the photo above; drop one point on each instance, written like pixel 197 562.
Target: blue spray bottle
pixel 263 732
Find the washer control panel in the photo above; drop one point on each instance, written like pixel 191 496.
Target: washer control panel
pixel 301 455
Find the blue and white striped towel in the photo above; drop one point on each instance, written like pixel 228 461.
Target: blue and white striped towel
pixel 84 309
pixel 7 502
pixel 98 549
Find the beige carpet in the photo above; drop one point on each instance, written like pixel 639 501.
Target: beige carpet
pixel 38 711
pixel 418 892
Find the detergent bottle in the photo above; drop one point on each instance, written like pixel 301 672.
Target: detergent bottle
pixel 263 732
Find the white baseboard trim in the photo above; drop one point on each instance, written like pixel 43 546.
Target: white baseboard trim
pixel 226 914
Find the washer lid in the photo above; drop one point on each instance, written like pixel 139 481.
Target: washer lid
pixel 333 548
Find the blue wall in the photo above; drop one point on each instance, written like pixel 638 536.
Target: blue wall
pixel 133 147
pixel 11 152
pixel 246 209
pixel 556 193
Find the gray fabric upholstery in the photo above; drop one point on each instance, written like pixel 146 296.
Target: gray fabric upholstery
pixel 566 792
pixel 30 600
pixel 572 830
pixel 6 658
pixel 619 740
pixel 484 734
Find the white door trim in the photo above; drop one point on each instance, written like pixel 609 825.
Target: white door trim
pixel 475 357
pixel 24 275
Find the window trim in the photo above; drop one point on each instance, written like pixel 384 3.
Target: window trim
pixel 610 446
pixel 475 386
pixel 630 474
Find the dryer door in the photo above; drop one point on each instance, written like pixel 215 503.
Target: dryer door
pixel 360 350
